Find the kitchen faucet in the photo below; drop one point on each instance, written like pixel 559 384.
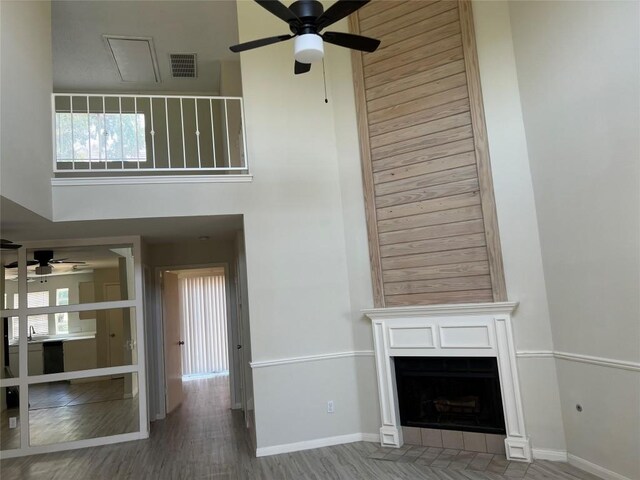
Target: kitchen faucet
pixel 32 332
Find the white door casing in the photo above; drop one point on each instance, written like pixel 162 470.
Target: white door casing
pixel 172 346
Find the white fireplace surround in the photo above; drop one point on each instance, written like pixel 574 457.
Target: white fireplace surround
pixel 461 330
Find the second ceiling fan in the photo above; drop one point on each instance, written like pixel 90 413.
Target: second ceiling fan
pixel 306 19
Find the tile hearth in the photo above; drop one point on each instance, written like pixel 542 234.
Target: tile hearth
pixel 452 459
pixel 469 441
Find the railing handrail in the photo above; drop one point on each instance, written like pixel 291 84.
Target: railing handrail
pixel 138 95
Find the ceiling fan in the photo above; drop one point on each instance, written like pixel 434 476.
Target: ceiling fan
pixel 44 261
pixel 306 18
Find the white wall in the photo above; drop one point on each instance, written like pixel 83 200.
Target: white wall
pixel 230 79
pixel 25 102
pixel 300 294
pixel 305 234
pixel 578 72
pixel 519 235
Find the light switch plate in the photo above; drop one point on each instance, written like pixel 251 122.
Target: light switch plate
pixel 13 422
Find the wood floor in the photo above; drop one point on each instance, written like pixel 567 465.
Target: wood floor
pixel 64 412
pixel 204 439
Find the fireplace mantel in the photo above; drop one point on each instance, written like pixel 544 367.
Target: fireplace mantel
pixel 460 330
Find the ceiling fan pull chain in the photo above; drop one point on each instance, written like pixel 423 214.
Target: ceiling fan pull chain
pixel 324 79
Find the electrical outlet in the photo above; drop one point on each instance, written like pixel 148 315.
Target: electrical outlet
pixel 331 408
pixel 13 422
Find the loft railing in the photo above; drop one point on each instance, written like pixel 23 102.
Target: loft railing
pixel 145 134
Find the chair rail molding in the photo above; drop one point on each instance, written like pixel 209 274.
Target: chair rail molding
pixel 460 330
pixel 580 358
pixel 310 358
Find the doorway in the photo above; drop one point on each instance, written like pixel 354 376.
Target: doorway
pixel 198 322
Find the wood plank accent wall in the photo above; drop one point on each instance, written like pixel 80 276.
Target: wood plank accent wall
pixel 431 217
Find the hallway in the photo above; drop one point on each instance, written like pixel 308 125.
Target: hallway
pixel 204 439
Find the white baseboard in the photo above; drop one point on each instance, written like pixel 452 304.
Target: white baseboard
pixel 594 469
pixel 370 437
pixel 548 454
pixel 317 443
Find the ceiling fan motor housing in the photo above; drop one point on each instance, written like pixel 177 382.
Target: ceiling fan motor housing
pixel 43 257
pixel 307 10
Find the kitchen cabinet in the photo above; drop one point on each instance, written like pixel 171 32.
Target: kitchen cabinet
pixel 86 292
pixel 80 355
pixel 14 362
pixel 35 365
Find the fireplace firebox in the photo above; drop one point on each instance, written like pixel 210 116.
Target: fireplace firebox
pixel 450 393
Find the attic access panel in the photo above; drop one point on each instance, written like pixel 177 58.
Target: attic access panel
pixel 134 58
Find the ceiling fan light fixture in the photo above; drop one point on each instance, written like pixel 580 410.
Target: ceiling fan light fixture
pixel 308 48
pixel 43 270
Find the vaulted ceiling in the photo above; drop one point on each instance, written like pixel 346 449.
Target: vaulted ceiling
pixel 82 62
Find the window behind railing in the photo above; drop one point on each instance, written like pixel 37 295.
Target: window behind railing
pixel 163 134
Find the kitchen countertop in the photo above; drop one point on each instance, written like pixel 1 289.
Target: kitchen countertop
pixel 84 336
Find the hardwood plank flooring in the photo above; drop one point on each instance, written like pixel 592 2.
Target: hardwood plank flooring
pixel 203 438
pixel 63 412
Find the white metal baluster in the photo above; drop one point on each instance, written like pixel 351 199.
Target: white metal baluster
pixel 55 134
pixel 135 109
pixel 121 139
pixel 226 124
pixel 244 136
pixel 213 135
pixel 195 102
pixel 153 135
pixel 184 154
pixel 73 147
pixel 104 133
pixel 89 131
pixel 166 119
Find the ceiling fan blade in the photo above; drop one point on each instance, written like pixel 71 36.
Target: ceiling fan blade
pixel 279 10
pixel 349 40
pixel 339 10
pixel 58 262
pixel 8 244
pixel 30 263
pixel 301 68
pixel 259 43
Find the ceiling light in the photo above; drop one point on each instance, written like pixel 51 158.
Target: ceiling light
pixel 308 48
pixel 43 270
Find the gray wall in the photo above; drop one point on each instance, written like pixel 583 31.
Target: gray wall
pixel 25 121
pixel 578 72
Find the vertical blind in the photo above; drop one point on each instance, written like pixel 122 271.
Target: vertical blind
pixel 204 324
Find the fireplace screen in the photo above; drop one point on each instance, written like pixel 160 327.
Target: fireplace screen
pixel 450 393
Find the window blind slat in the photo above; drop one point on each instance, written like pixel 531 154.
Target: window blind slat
pixel 40 323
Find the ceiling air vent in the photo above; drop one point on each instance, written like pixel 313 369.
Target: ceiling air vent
pixel 183 65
